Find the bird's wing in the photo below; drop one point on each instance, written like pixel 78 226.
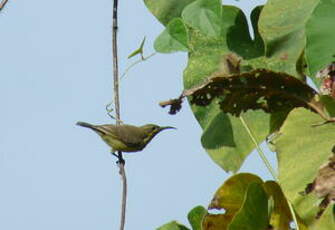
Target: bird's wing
pixel 131 135
pixel 128 134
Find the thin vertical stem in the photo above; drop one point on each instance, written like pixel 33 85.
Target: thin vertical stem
pixel 116 64
pixel 2 4
pixel 122 173
pixel 268 165
pixel 259 150
pixel 121 161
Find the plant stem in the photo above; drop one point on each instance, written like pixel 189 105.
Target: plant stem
pixel 135 63
pixel 115 64
pixel 122 173
pixel 293 213
pixel 259 150
pixel 268 165
pixel 2 4
pixel 120 161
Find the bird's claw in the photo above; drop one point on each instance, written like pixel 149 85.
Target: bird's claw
pixel 120 162
pixel 114 154
pixel 120 159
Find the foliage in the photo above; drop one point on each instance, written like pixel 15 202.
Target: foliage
pixel 249 203
pixel 320 48
pixel 304 150
pixel 231 75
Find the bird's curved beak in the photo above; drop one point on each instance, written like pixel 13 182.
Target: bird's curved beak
pixel 167 127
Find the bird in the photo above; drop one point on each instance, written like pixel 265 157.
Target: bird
pixel 126 138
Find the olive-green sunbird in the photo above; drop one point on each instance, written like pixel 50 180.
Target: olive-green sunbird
pixel 126 138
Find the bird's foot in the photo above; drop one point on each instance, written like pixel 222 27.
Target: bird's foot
pixel 120 162
pixel 120 158
pixel 114 154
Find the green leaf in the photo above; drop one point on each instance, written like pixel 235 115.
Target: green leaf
pixel 320 49
pixel 195 217
pixel 281 25
pixel 326 221
pixel 166 10
pixel 239 40
pixel 226 139
pixel 253 215
pixel 301 149
pixel 204 15
pixel 138 51
pixel 173 38
pixel 205 54
pixel 173 225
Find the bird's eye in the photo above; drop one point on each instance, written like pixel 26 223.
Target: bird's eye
pixel 153 128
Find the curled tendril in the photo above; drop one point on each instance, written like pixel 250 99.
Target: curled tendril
pixel 110 111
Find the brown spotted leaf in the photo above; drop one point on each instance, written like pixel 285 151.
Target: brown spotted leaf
pixel 229 197
pixel 216 221
pixel 259 89
pixel 249 203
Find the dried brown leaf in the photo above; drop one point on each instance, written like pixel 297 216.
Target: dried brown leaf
pixel 324 185
pixel 259 89
pixel 327 76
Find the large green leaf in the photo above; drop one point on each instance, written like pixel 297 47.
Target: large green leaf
pixel 166 10
pixel 282 25
pixel 320 47
pixel 231 143
pixel 204 15
pixel 205 54
pixel 253 215
pixel 302 148
pixel 173 38
pixel 239 40
pixel 226 139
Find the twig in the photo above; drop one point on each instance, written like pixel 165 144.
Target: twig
pixel 109 107
pixel 135 63
pixel 115 64
pixel 121 161
pixel 2 4
pixel 122 173
pixel 268 165
pixel 259 150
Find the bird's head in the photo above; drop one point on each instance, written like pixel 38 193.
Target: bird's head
pixel 151 130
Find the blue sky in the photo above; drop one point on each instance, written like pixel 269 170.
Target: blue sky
pixel 56 69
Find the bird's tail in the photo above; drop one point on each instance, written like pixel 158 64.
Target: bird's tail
pixel 87 125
